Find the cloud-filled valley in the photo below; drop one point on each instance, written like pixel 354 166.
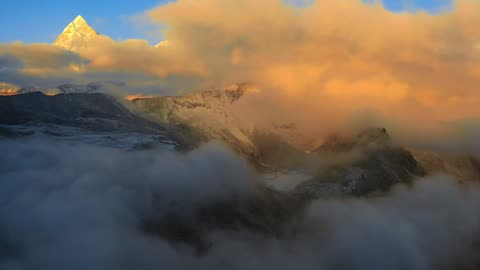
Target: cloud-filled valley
pixel 75 207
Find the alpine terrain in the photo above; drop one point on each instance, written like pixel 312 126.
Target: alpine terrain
pixel 91 179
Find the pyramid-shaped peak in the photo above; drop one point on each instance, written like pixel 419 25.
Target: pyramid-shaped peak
pixel 76 35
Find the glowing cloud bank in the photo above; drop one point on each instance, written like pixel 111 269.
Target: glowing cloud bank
pixel 328 61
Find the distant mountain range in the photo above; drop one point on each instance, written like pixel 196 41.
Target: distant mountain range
pixel 185 122
pixel 367 164
pixel 342 165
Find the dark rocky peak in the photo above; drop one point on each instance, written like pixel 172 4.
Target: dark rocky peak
pixel 236 91
pixel 29 89
pixel 89 88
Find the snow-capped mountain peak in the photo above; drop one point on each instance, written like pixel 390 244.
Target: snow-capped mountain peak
pixel 76 35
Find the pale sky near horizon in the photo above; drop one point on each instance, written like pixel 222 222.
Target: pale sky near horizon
pixel 43 20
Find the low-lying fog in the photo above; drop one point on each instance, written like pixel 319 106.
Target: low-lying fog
pixel 68 206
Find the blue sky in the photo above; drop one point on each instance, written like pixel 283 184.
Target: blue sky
pixel 42 20
pixel 428 5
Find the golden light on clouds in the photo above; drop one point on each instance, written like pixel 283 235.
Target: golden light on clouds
pixel 329 60
pixel 8 92
pixel 137 96
pixel 7 89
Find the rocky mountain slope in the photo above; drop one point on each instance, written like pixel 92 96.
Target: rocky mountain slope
pixel 69 88
pixel 356 165
pixel 351 165
pixel 217 116
pixel 209 113
pixel 78 117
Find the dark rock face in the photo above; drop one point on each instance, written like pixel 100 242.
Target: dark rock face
pixel 236 93
pixel 97 111
pixel 29 89
pixel 377 171
pixel 375 164
pixel 339 144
